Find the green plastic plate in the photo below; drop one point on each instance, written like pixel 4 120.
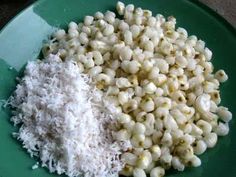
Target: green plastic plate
pixel 21 40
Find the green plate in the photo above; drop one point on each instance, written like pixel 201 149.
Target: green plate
pixel 21 40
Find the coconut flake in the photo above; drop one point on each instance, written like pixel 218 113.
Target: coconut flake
pixel 63 121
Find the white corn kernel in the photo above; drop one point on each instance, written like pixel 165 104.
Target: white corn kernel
pixel 135 30
pixel 103 78
pixel 149 124
pixel 129 8
pixel 129 126
pixel 210 139
pixel 73 25
pixel 125 53
pixel 198 90
pixel 163 102
pixel 141 116
pixel 159 92
pixel 139 11
pixel 98 60
pixel 88 20
pixel 170 60
pixel 122 82
pixel 188 139
pixel 167 139
pixel 83 38
pixel 183 33
pixel 98 15
pixel 139 91
pixel 139 128
pixel 191 97
pixel 195 161
pixel 108 30
pixel 170 123
pixel 89 63
pixel 123 26
pixel 127 170
pixel 196 131
pixel 128 37
pixel 200 45
pixel 221 76
pixel 113 90
pixel 178 97
pixel 160 79
pixel 129 158
pixel 123 118
pixel 177 164
pixel 110 72
pixel 123 97
pixel 150 167
pixel 191 64
pixel 147 143
pixel 148 46
pixel 147 65
pixel 133 66
pixel 222 129
pixel 162 65
pixel 156 152
pixel 181 61
pixel 95 71
pixel 199 147
pixel 187 128
pixel 177 133
pixel 208 54
pixel 157 172
pixel 156 136
pixel 143 162
pixel 148 105
pixel 159 124
pixel 208 87
pixel 110 17
pixel 138 140
pixel 86 30
pixel 203 103
pixel 60 34
pixel 120 7
pixel 198 70
pixel 166 48
pixel 138 99
pixel 138 172
pixel 150 88
pixel 131 105
pixel 205 126
pixel 161 112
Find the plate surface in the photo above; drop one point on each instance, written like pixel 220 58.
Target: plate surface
pixel 21 40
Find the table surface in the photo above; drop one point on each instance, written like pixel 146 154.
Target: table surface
pixel 9 8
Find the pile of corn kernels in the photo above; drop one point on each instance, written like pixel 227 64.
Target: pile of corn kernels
pixel 157 81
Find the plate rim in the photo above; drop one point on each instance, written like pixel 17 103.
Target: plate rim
pixel 197 3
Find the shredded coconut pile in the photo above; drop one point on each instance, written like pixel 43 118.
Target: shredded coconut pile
pixel 63 122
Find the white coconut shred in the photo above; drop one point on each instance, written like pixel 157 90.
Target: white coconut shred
pixel 62 120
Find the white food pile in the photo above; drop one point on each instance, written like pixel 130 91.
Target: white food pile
pixel 63 121
pixel 157 81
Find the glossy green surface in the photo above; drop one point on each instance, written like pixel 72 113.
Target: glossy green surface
pixel 22 39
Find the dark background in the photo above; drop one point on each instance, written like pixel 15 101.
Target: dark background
pixel 9 8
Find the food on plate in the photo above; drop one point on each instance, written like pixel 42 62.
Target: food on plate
pixel 152 80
